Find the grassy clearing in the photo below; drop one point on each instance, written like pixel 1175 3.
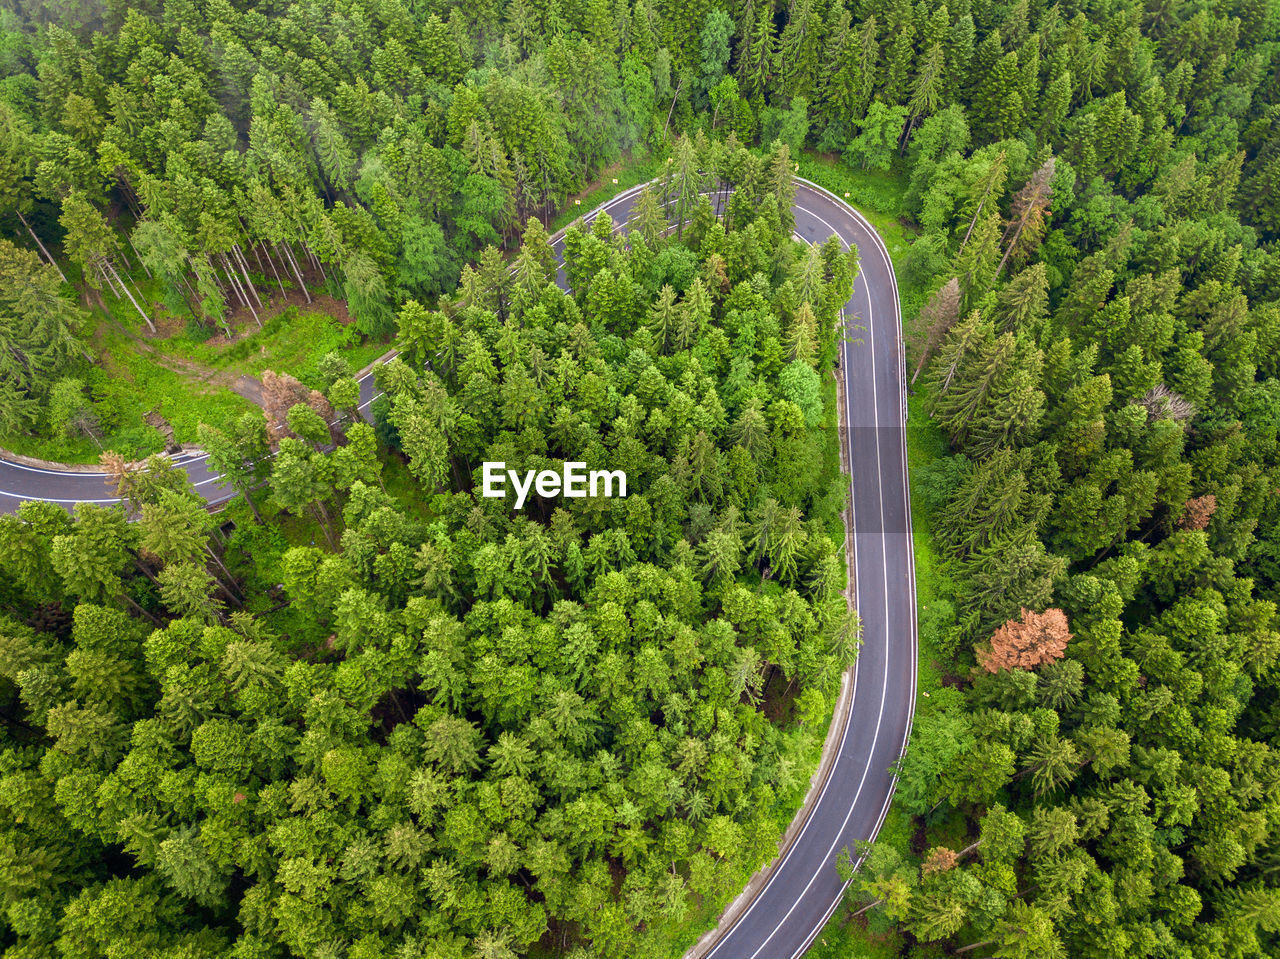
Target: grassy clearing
pixel 185 379
pixel 293 340
pixel 404 489
pixel 623 175
pixel 81 450
pixel 126 384
pixel 854 941
pixel 877 194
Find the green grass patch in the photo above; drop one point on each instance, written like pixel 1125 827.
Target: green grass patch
pixel 876 194
pixel 127 384
pixel 403 488
pixel 292 341
pixel 623 175
pixel 81 450
pixel 854 941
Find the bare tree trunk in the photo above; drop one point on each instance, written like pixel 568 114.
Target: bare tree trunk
pixel 906 137
pixel 126 288
pixel 288 254
pixel 189 296
pixel 977 945
pixel 235 281
pixel 253 507
pixel 52 262
pixel 141 312
pixel 244 271
pixel 139 256
pixel 867 908
pixel 128 264
pixel 258 256
pixel 233 277
pixel 667 125
pixel 130 600
pixel 263 267
pixel 144 569
pixel 130 194
pixel 102 272
pixel 967 233
pixel 232 282
pixel 234 286
pixel 275 273
pixel 326 524
pixel 315 261
pixel 213 274
pixel 228 583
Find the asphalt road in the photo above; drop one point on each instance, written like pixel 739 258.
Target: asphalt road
pixel 802 888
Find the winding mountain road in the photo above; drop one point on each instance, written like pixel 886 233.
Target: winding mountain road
pixel 785 907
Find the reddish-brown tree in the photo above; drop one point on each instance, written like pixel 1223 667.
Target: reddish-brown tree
pixel 280 393
pixel 939 859
pixel 1032 640
pixel 1197 511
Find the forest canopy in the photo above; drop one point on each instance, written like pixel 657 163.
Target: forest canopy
pixel 579 727
pixel 453 729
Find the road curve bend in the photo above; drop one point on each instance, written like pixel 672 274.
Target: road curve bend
pixel 796 894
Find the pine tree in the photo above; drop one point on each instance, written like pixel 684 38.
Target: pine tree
pixel 959 46
pixel 926 95
pixel 756 64
pixel 988 388
pixel 1026 219
pixel 1022 304
pixel 239 455
pixel 998 103
pixel 797 55
pixel 93 244
pixel 897 87
pixel 38 335
pixel 937 317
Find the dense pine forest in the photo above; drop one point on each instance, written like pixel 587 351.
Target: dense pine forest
pixel 364 712
pixel 448 729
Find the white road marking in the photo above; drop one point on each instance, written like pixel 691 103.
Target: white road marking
pixel 50 499
pixel 779 867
